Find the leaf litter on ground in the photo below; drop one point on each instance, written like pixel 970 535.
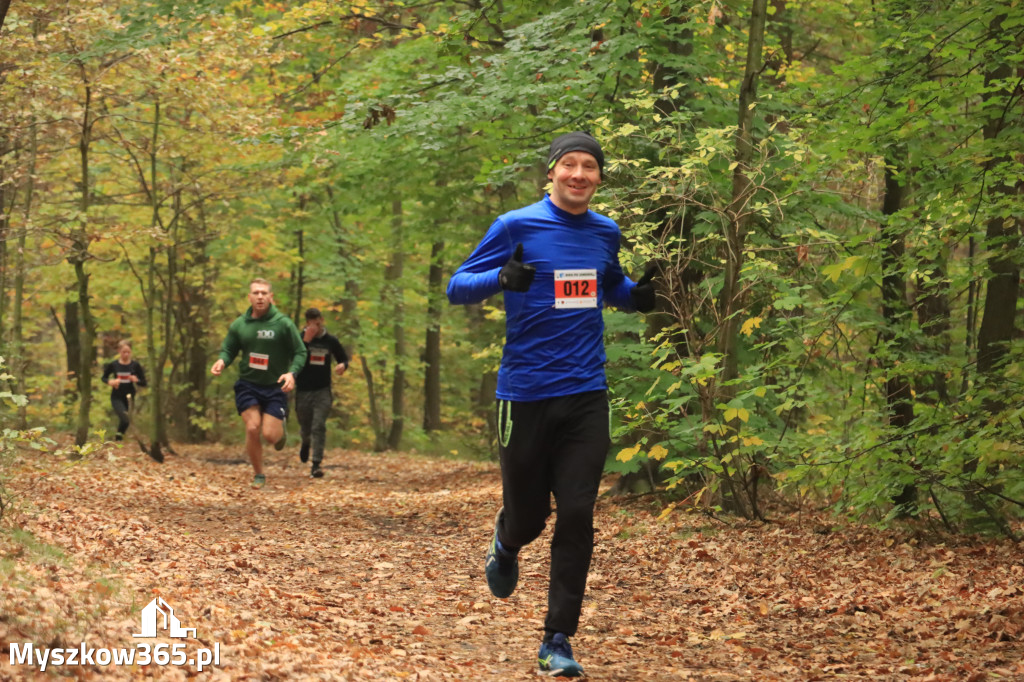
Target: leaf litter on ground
pixel 375 572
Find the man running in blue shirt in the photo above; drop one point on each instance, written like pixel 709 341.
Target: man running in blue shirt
pixel 557 263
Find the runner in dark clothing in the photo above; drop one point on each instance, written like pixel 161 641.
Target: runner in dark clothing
pixel 313 397
pixel 123 375
pixel 557 264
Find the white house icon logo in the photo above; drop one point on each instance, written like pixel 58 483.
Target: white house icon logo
pixel 151 619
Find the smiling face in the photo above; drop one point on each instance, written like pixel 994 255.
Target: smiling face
pixel 260 298
pixel 574 179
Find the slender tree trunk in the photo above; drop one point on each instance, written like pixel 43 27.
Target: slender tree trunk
pixel 1003 241
pixel 1003 238
pixel 735 238
pixel 19 365
pixel 349 326
pixel 156 373
pixel 394 277
pixel 167 322
pixel 73 348
pixel 376 418
pixel 78 257
pixel 194 292
pixel 432 344
pixel 485 407
pixel 895 311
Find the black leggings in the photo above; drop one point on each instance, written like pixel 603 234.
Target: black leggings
pixel 120 405
pixel 556 446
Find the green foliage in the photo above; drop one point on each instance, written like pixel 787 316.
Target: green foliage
pixel 316 119
pixel 12 440
pixel 808 412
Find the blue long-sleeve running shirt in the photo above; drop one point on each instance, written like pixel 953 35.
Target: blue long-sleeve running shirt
pixel 554 332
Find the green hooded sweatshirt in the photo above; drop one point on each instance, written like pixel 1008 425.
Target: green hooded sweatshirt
pixel 270 347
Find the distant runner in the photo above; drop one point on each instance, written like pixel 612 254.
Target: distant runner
pixel 313 397
pixel 123 376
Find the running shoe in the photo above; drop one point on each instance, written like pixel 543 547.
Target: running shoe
pixel 555 658
pixel 500 566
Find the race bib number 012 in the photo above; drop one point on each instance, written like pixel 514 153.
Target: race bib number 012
pixel 576 288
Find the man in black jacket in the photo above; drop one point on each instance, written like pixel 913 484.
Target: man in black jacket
pixel 313 396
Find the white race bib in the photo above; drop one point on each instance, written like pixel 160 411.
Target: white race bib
pixel 576 288
pixel 259 361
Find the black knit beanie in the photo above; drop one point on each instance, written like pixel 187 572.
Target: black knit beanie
pixel 575 142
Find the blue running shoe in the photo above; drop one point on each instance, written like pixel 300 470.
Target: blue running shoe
pixel 500 566
pixel 556 659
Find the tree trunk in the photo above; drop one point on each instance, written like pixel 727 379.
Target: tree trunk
pixel 735 238
pixel 88 350
pixel 156 370
pixel 159 430
pixel 72 348
pixel 432 344
pixel 19 363
pixel 78 257
pixel 1003 239
pixel 380 443
pixel 396 291
pixel 894 309
pixel 193 290
pixel 348 320
pixel 485 407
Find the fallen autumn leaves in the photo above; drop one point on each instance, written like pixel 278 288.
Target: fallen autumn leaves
pixel 374 572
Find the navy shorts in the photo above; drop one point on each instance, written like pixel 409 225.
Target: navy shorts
pixel 270 399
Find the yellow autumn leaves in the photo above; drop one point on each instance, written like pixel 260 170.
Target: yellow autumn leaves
pixel 656 453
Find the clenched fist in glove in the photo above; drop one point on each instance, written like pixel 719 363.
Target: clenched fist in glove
pixel 643 293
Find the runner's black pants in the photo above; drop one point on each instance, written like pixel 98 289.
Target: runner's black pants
pixel 311 410
pixel 120 405
pixel 554 447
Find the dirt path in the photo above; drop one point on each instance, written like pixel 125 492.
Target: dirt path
pixel 374 572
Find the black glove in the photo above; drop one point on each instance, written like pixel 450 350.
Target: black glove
pixel 516 275
pixel 643 293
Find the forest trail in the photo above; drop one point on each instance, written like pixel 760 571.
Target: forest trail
pixel 375 572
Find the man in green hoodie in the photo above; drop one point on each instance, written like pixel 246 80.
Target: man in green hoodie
pixel 272 354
